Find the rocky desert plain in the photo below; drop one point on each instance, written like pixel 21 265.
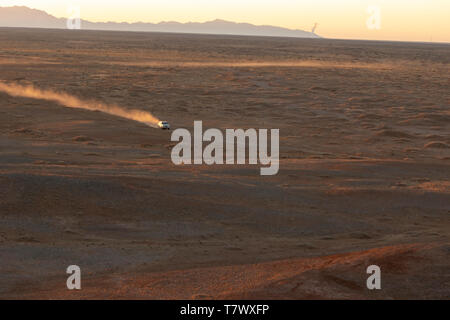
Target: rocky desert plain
pixel 364 174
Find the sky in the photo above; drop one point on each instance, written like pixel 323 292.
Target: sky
pixel 404 20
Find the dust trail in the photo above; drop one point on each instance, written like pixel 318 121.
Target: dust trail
pixel 70 101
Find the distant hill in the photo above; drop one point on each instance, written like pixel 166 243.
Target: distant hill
pixel 20 16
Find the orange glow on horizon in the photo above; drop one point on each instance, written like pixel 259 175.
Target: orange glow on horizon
pixel 405 20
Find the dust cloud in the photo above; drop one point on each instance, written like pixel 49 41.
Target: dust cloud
pixel 70 101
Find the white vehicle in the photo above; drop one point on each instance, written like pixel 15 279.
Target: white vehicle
pixel 164 125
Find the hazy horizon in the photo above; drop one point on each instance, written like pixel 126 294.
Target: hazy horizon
pixel 25 17
pixel 417 20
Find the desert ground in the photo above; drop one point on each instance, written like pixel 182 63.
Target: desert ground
pixel 364 168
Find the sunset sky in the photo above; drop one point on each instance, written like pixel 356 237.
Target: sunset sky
pixel 409 20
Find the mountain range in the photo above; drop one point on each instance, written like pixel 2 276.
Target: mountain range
pixel 21 16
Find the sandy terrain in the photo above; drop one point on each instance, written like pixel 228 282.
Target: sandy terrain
pixel 364 172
